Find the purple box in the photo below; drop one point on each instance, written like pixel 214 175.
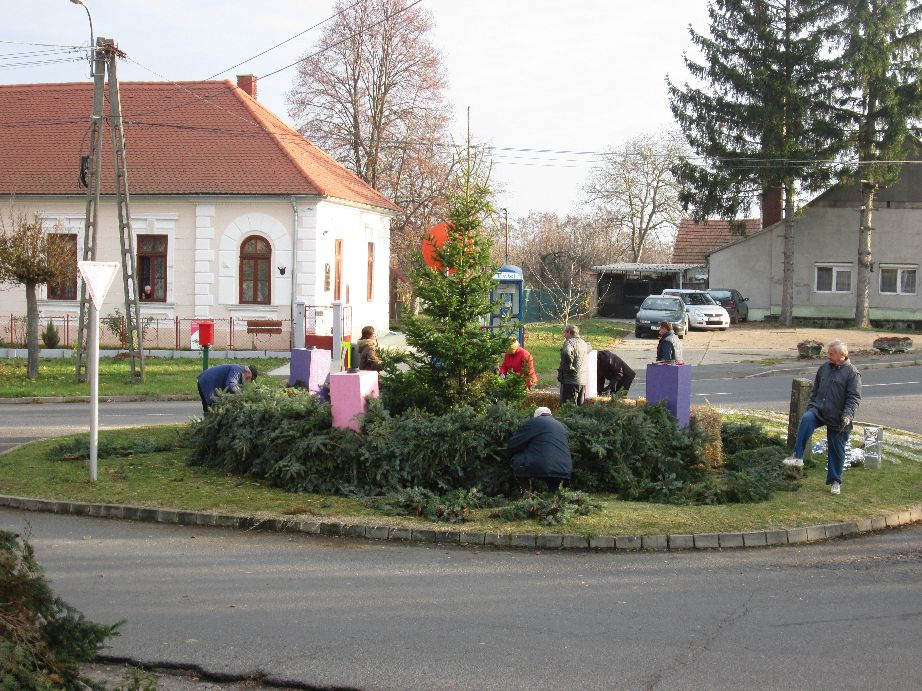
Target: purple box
pixel 310 367
pixel 348 391
pixel 671 383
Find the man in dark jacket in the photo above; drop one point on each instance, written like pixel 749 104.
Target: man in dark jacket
pixel 229 378
pixel 572 371
pixel 834 402
pixel 540 450
pixel 668 349
pixel 612 373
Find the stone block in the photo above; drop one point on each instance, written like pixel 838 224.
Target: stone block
pixel 354 531
pixel 654 543
pixel 707 541
pixel 755 538
pixel 309 527
pixel 309 367
pixel 422 535
pixel 849 528
pixel 187 517
pixel 776 537
pixel 522 540
pixel 628 542
pixel 672 384
pixel 878 523
pixel 575 542
pixel 816 532
pixel 602 542
pixel 400 534
pixel 447 536
pixel 377 532
pixel 730 540
pixel 471 538
pixel 348 392
pixel 167 516
pixel 549 542
pixel 833 530
pixel 496 539
pixel 331 529
pixel 681 542
pixel 797 535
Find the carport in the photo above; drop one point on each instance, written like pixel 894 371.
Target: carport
pixel 622 287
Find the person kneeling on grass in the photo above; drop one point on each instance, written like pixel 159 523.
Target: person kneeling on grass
pixel 834 402
pixel 540 450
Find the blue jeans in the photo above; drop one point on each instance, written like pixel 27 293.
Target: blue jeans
pixel 836 440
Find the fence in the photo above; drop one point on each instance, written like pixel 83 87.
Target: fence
pixel 231 333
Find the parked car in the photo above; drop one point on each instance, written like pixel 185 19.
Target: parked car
pixel 732 301
pixel 703 312
pixel 657 308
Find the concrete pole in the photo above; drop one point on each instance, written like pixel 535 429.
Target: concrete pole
pixel 298 325
pixel 336 364
pixel 93 367
pixel 800 397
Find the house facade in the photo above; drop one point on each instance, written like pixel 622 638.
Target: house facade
pixel 825 257
pixel 234 215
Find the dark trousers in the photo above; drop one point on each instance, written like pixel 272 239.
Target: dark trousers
pixel 573 393
pixel 527 484
pixel 205 404
pixel 620 382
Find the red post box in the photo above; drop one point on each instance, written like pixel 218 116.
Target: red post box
pixel 206 333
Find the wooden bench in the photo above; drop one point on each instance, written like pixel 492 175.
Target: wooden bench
pixel 264 326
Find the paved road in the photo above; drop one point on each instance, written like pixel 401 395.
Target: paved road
pixel 843 615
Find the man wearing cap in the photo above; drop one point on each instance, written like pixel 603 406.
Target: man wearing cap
pixel 540 450
pixel 229 378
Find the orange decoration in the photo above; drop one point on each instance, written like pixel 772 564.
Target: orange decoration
pixel 433 240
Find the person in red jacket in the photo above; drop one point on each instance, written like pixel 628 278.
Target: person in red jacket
pixel 519 360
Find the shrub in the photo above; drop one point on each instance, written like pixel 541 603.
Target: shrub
pixel 43 639
pixel 50 336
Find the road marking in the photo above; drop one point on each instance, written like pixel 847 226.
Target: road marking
pixel 716 393
pixel 896 383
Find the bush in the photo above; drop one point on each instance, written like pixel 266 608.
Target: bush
pixel 43 640
pixel 50 336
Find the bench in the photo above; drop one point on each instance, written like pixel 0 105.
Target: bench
pixel 264 326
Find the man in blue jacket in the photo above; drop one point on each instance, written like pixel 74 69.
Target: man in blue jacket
pixel 229 378
pixel 834 402
pixel 540 450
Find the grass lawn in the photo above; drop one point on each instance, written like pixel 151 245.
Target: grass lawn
pixel 163 376
pixel 163 480
pixel 544 340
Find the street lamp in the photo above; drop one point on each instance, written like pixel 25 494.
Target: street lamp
pixel 506 218
pixel 92 46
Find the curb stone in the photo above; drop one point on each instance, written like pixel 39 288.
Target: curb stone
pixel 546 541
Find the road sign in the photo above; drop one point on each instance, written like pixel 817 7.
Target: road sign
pixel 98 277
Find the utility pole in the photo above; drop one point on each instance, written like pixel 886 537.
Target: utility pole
pixel 106 53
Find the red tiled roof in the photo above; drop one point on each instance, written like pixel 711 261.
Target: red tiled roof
pixel 181 138
pixel 694 241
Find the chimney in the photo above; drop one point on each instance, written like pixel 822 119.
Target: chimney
pixel 771 206
pixel 247 82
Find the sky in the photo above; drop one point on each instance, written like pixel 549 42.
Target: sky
pixel 549 84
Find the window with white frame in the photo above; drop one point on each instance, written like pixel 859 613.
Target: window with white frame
pixel 833 278
pixel 897 279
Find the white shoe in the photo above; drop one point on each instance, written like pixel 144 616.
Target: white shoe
pixel 793 462
pixel 835 488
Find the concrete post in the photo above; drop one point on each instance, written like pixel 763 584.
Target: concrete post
pixel 800 397
pixel 298 325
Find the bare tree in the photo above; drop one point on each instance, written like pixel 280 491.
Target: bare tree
pixel 557 256
pixel 635 191
pixel 372 95
pixel 31 257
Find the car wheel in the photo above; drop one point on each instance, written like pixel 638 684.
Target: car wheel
pixel 638 333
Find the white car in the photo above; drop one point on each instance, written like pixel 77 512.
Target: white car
pixel 703 311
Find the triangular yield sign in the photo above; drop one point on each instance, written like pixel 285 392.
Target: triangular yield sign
pixel 98 277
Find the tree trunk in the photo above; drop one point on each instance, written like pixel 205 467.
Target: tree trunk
pixel 32 329
pixel 863 282
pixel 787 280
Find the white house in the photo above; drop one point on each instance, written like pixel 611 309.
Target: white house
pixel 234 214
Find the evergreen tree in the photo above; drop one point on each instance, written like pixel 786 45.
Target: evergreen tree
pixel 454 350
pixel 881 47
pixel 758 116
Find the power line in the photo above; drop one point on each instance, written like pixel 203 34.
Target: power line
pixel 287 40
pixel 341 41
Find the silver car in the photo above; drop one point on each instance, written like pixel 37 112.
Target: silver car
pixel 703 311
pixel 657 308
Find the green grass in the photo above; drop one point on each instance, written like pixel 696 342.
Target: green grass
pixel 163 480
pixel 163 376
pixel 544 340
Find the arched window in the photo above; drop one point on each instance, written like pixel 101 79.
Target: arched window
pixel 255 276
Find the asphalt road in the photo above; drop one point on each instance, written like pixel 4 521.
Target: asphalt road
pixel 839 615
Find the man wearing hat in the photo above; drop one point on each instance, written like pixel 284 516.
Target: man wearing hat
pixel 540 450
pixel 229 378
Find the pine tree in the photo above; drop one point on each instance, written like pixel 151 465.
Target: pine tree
pixel 881 47
pixel 454 347
pixel 759 119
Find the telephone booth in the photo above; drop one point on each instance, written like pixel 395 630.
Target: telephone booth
pixel 509 293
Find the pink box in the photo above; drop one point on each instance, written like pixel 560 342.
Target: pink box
pixel 348 392
pixel 592 368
